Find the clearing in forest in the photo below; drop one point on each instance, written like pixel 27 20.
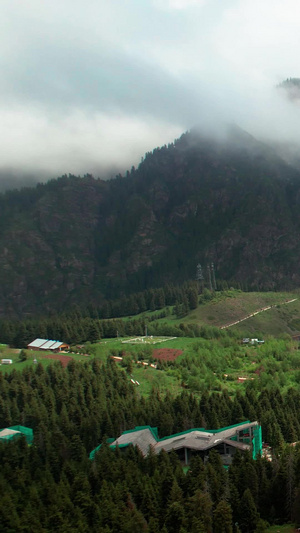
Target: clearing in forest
pixel 147 340
pixel 166 354
pixel 64 359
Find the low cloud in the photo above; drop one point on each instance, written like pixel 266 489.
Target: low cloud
pixel 89 88
pixel 178 4
pixel 76 142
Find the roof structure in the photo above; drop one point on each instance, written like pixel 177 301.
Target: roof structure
pixel 56 345
pixel 45 344
pixel 143 437
pixel 8 433
pixel 245 436
pixel 48 345
pixel 37 343
pixel 12 432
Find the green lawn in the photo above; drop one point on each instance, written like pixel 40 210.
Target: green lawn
pixel 149 378
pixel 207 364
pixel 40 356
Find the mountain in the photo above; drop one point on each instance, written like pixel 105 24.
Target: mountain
pixel 229 199
pixel 291 86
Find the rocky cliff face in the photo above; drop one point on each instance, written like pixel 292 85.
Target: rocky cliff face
pixel 49 246
pixel 231 201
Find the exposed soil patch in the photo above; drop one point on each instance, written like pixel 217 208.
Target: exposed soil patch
pixel 64 359
pixel 166 354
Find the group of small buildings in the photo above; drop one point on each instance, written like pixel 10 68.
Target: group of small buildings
pixel 252 341
pixel 246 436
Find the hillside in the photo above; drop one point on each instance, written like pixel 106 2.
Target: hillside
pixel 275 313
pixel 232 201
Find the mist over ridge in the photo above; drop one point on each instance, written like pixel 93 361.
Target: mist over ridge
pixel 83 91
pixel 230 200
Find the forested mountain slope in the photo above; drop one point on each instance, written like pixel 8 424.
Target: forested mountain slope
pixel 232 201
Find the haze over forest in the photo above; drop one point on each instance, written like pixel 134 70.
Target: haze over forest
pixel 91 88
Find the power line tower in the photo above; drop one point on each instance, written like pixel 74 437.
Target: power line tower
pixel 199 273
pixel 209 277
pixel 199 276
pixel 213 277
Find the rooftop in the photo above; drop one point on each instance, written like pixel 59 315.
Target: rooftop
pixel 241 436
pixel 45 344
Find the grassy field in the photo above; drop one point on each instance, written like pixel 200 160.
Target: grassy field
pixel 287 528
pixel 234 305
pixel 228 306
pixel 41 357
pixel 147 376
pixel 210 364
pixel 206 364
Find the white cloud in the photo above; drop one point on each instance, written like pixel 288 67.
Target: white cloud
pixel 89 85
pixel 78 142
pixel 178 4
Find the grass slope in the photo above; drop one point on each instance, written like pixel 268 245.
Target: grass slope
pixel 234 305
pixel 287 528
pixel 229 306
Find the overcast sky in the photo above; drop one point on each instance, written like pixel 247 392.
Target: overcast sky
pixel 90 86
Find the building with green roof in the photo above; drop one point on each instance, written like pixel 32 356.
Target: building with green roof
pixel 8 434
pixel 246 436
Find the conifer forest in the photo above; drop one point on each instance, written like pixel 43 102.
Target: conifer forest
pixel 52 485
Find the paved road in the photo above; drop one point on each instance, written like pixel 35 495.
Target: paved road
pixel 257 312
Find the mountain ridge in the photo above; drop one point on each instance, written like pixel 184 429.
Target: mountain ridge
pixel 230 200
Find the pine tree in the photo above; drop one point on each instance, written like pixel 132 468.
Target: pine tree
pixel 175 517
pixel 193 299
pixel 94 334
pixel 248 515
pixel 222 518
pixel 200 512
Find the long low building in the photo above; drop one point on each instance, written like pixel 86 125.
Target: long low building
pixel 245 436
pixel 46 344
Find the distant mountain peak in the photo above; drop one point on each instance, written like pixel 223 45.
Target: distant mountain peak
pixel 291 86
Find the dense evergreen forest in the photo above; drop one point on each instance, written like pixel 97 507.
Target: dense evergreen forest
pixel 81 324
pixel 53 486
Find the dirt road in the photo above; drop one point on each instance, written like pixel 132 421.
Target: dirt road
pixel 257 312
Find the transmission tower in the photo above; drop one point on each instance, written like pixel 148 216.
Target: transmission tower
pixel 213 277
pixel 199 278
pixel 209 277
pixel 199 273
